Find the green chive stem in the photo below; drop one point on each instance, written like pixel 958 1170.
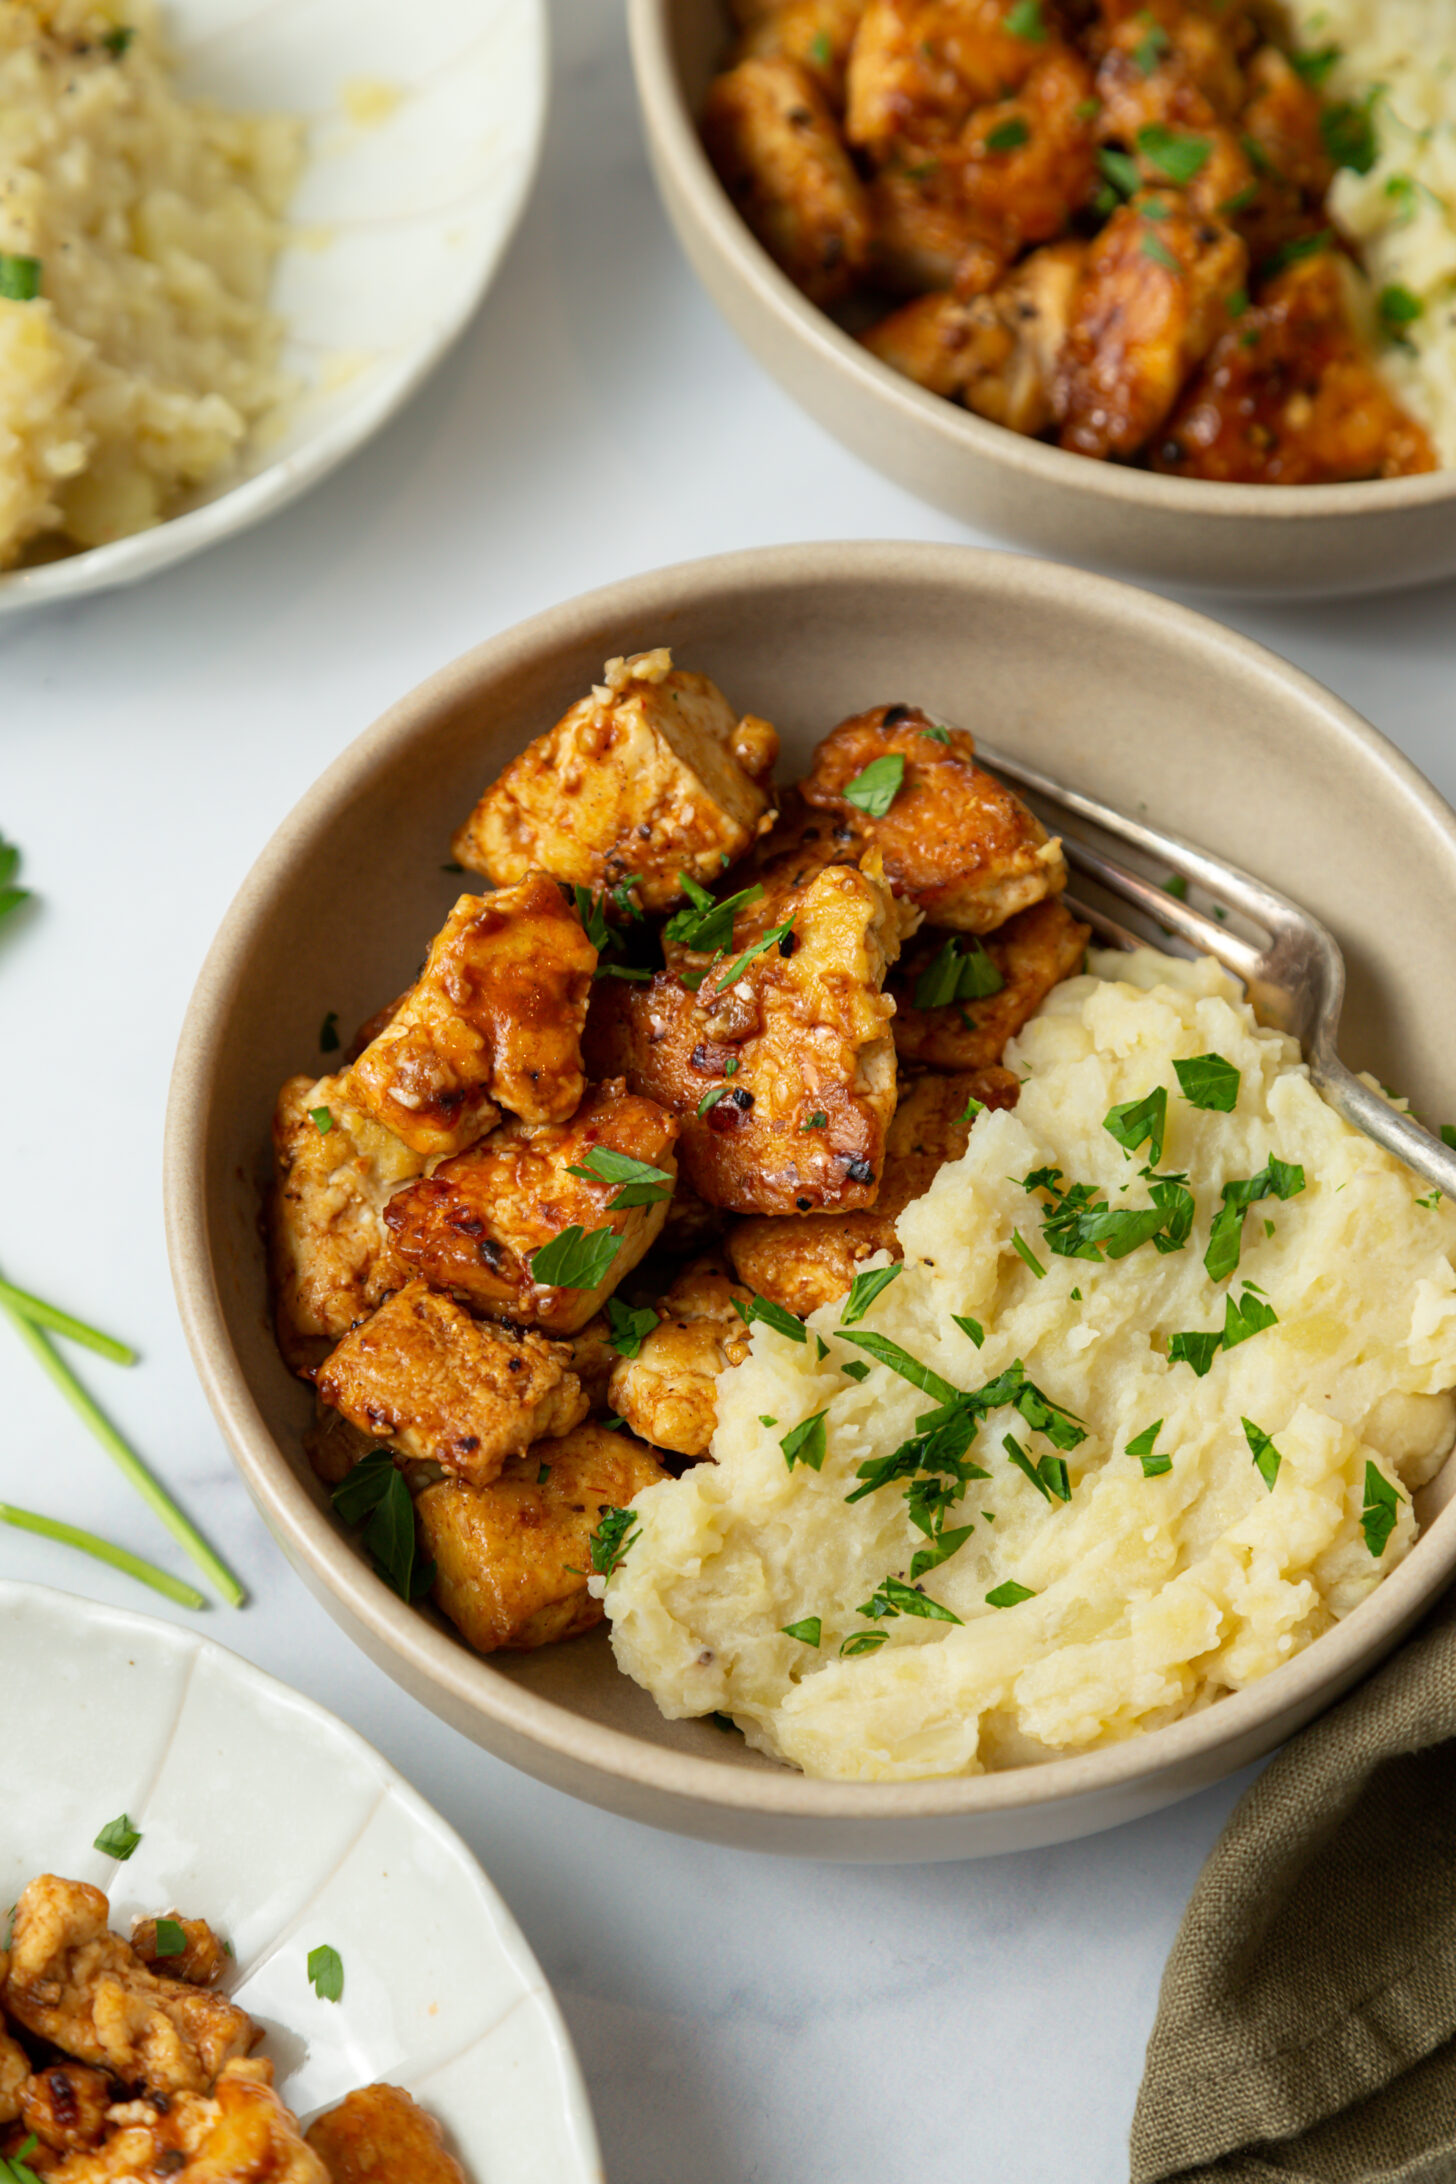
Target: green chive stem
pixel 41 1314
pixel 156 1497
pixel 147 1573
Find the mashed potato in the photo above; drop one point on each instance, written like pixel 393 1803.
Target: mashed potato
pixel 1400 57
pixel 147 228
pixel 1156 1586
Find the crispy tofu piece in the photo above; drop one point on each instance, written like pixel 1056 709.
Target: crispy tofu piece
pixel 437 1386
pixel 651 776
pixel 803 1263
pixel 956 843
pixel 917 67
pixel 1182 71
pixel 379 2135
pixel 817 34
pixel 512 1559
pixel 475 1225
pixel 330 1255
pixel 1153 300
pixel 1032 952
pixel 998 352
pixel 669 1392
pixel 14 2073
pixel 73 1982
pixel 1026 164
pixel 201 1962
pixel 796 1052
pixel 494 1020
pixel 241 2134
pixel 770 131
pixel 65 2106
pixel 1291 396
pixel 923 236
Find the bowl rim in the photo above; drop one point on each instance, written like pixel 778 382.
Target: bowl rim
pixel 468 1681
pixel 673 138
pixel 238 507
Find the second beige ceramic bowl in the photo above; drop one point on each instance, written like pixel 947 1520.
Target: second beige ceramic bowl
pixel 1296 540
pixel 1141 703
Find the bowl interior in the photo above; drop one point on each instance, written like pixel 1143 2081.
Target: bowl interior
pixel 1145 705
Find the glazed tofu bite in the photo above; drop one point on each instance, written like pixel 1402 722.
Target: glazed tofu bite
pixel 956 844
pixel 379 2135
pixel 65 2106
pixel 817 34
pixel 998 352
pixel 331 1257
pixel 651 776
pixel 512 1559
pixel 437 1386
pixel 770 132
pixel 775 1052
pixel 14 2072
pixel 804 1263
pixel 540 1225
pixel 917 67
pixel 493 1021
pixel 668 1391
pixel 202 1959
pixel 957 1005
pixel 73 1982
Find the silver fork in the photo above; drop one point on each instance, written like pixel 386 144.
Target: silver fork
pixel 1290 964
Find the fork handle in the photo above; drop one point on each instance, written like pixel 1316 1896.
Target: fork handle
pixel 1400 1134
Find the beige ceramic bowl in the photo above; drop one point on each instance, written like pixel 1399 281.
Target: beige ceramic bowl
pixel 1135 700
pixel 1242 538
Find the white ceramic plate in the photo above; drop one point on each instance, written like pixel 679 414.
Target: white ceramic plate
pixel 402 222
pixel 265 1815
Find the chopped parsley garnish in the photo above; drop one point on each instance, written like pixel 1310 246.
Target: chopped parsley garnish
pixel 1196 1348
pixel 1430 1203
pixel 892 1597
pixel 1448 1135
pixel 1299 246
pixel 855 1368
pixel 1025 1253
pixel 1235 305
pixel 642 1185
pixel 1276 1179
pixel 118 1839
pixel 629 1326
pixel 821 53
pixel 19 277
pixel 817 1121
pixel 936 734
pixel 1153 246
pixel 706 925
pixel 1143 1446
pixel 772 1315
pixel 875 790
pixel 321 1119
pixel 614 1534
pixel 375 1495
pixel 592 911
pixel 1155 1466
pixel 809 1632
pixel 863 1641
pixel 543 1473
pixel 972 1108
pixel 1007 136
pixel 942 1546
pixel 1382 1506
pixel 1139 1122
pixel 711 1098
pixel 10 897
pixel 1267 1458
pixel 1208 1081
pixel 576 1259
pixel 770 939
pixel 804 1443
pixel 1049 1476
pixel 329 1033
pixel 632 972
pixel 1250 1316
pixel 1024 20
pixel 171 1939
pixel 1176 156
pixel 116 41
pixel 1349 135
pixel 1080 1224
pixel 1120 169
pixel 17 2169
pixel 326 1973
pixel 1398 307
pixel 1316 65
pixel 863 1291
pixel 970 1328
pixel 1009 1595
pixel 1238 201
pixel 960 971
pixel 886 1352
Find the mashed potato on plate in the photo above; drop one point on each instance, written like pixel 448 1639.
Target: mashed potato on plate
pixel 1159 1521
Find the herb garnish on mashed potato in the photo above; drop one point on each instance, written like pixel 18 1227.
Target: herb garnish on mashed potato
pixel 1139 1418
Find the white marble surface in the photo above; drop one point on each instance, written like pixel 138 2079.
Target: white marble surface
pixel 740 2020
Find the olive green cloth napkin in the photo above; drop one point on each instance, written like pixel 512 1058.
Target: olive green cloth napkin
pixel 1306 2030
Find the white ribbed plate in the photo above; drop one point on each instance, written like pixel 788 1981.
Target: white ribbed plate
pixel 265 1815
pixel 402 222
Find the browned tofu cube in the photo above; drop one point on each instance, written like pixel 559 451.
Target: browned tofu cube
pixel 480 1220
pixel 1030 954
pixel 65 2106
pixel 771 133
pixel 917 67
pixel 331 1257
pixel 379 2135
pixel 437 1386
pixel 783 1072
pixel 494 1020
pixel 669 1392
pixel 996 353
pixel 201 1961
pixel 651 776
pixel 512 1559
pixel 956 843
pixel 802 1264
pixel 817 34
